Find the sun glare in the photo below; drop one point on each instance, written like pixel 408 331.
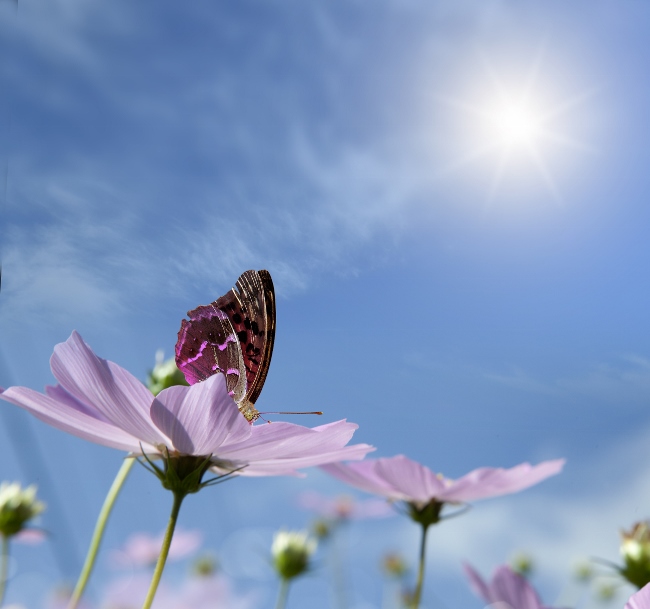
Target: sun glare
pixel 513 125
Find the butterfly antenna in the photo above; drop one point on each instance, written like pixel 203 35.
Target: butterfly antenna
pixel 284 412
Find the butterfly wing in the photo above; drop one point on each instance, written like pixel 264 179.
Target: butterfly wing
pixel 233 335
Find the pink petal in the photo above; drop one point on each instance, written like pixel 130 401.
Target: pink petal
pixel 476 582
pixel 279 440
pixel 640 600
pixel 113 391
pixel 289 466
pixel 363 476
pixel 67 418
pixel 511 588
pixel 492 482
pixel 413 481
pixel 200 418
pixel 61 395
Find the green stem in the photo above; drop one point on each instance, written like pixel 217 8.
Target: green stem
pixel 98 533
pixel 4 567
pixel 417 595
pixel 283 593
pixel 162 558
pixel 338 573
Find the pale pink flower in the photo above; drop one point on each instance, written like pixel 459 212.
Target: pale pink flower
pixel 142 549
pixel 640 600
pixel 210 592
pixel 507 589
pixel 344 507
pixel 400 479
pixel 97 400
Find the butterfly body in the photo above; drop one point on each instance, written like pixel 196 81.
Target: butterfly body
pixel 233 335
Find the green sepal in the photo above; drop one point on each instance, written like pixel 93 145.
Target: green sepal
pixel 426 515
pixel 181 474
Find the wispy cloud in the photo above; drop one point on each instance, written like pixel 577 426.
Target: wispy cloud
pixel 626 379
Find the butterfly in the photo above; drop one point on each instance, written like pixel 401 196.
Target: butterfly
pixel 233 335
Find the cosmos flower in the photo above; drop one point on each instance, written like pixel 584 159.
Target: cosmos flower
pixel 291 551
pixel 640 600
pixel 17 507
pixel 400 479
pixel 99 401
pixel 142 549
pixel 507 589
pixel 344 507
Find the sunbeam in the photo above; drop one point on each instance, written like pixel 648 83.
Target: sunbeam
pixel 515 125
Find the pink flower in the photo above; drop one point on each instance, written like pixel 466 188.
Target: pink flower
pixel 142 549
pixel 211 592
pixel 344 507
pixel 507 589
pixel 640 600
pixel 99 401
pixel 400 479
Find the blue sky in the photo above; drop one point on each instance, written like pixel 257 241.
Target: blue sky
pixel 463 306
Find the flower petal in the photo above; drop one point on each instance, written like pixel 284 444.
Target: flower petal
pixel 62 415
pixel 412 480
pixel 290 466
pixel 363 476
pixel 201 418
pixel 113 391
pixel 59 394
pixel 640 600
pixel 284 440
pixel 476 582
pixel 281 448
pixel 513 589
pixel 492 482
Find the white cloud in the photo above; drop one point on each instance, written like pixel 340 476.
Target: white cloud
pixel 625 380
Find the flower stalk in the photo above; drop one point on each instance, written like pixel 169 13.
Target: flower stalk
pixel 4 567
pixel 283 593
pixel 164 551
pixel 98 533
pixel 417 595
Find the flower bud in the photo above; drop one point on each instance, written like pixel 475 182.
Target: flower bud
pixel 523 564
pixel 17 507
pixel 635 550
pixel 164 374
pixel 291 551
pixel 321 528
pixel 393 565
pixel 583 571
pixel 205 566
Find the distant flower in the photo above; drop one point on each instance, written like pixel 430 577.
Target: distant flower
pixel 523 564
pixel 130 592
pixel 291 551
pixel 344 507
pixel 400 479
pixel 211 592
pixel 425 493
pixel 17 507
pixel 142 549
pixel 635 550
pixel 640 600
pixel 30 537
pixel 507 589
pixel 99 401
pixel 205 565
pixel 583 571
pixel 394 565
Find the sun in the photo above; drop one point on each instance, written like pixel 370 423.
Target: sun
pixel 513 124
